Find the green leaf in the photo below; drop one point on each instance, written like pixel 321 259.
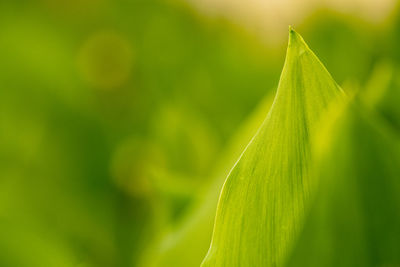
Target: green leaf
pixel 262 202
pixel 354 219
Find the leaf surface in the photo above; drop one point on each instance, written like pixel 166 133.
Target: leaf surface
pixel 261 205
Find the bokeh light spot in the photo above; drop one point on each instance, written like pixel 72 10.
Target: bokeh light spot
pixel 105 60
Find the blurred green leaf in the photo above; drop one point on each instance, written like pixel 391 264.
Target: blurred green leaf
pixel 354 219
pixel 262 202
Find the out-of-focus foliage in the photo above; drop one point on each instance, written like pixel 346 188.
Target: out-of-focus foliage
pixel 354 218
pixel 111 122
pixel 188 242
pixel 120 119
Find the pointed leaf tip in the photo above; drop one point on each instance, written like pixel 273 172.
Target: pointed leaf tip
pixel 295 39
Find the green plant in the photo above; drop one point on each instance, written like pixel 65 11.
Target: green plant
pixel 296 173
